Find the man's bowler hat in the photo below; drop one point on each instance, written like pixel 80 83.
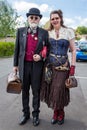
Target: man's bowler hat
pixel 34 11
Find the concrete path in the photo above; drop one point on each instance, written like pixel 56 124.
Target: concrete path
pixel 11 106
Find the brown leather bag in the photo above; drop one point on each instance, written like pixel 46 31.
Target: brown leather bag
pixel 71 82
pixel 13 84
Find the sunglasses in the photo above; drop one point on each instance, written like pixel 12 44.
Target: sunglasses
pixel 56 18
pixel 34 17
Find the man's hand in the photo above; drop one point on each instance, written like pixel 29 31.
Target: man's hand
pixel 15 69
pixel 36 57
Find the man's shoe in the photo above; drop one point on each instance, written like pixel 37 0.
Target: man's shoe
pixel 24 119
pixel 36 121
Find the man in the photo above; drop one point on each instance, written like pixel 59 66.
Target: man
pixel 29 60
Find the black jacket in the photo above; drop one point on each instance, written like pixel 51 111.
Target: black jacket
pixel 20 47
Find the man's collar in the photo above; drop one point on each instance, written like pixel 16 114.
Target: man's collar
pixel 32 30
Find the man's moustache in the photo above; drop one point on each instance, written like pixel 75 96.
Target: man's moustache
pixel 33 25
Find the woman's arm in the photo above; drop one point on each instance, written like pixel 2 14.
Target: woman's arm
pixel 73 51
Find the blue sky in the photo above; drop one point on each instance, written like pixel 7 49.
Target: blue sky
pixel 74 11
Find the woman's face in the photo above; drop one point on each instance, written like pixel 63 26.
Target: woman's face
pixel 55 20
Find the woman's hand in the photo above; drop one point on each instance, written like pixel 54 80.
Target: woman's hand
pixel 36 57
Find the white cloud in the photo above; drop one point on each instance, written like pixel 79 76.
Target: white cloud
pixel 44 20
pixel 45 8
pixel 23 6
pixel 69 22
pixel 83 22
pixel 75 22
pixel 78 18
pixel 20 20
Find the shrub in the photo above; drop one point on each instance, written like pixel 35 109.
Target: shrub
pixel 6 49
pixel 78 38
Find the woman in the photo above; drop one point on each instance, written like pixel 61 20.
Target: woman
pixel 55 94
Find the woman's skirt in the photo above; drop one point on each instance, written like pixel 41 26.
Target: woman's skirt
pixel 55 95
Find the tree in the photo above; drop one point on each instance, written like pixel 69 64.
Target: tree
pixel 46 26
pixel 81 30
pixel 8 18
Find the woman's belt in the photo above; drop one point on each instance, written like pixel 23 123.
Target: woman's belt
pixel 62 68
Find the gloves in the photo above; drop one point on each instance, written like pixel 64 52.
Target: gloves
pixel 72 70
pixel 44 52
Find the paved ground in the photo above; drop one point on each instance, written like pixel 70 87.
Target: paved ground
pixel 10 107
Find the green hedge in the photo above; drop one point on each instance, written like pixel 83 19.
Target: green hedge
pixel 6 49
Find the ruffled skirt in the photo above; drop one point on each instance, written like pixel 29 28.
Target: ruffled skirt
pixel 55 95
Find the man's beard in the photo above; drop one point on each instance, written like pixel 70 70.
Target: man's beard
pixel 33 25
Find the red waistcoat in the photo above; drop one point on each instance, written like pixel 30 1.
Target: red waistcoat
pixel 31 44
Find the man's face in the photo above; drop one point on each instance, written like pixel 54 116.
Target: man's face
pixel 33 20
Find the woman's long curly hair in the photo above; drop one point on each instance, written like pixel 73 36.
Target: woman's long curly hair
pixel 60 14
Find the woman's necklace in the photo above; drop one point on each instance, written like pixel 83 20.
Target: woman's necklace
pixel 57 33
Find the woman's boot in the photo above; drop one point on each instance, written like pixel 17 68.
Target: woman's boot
pixel 55 117
pixel 61 117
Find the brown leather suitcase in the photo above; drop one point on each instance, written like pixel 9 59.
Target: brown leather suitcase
pixel 14 84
